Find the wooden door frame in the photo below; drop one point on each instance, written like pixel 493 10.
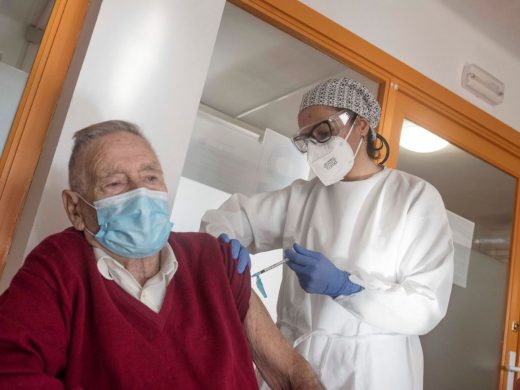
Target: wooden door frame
pixel 485 136
pixel 29 129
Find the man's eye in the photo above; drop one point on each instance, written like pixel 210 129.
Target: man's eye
pixel 113 184
pixel 151 179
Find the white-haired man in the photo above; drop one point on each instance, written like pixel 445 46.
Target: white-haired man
pixel 117 301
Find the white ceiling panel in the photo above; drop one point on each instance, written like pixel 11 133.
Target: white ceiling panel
pixel 255 63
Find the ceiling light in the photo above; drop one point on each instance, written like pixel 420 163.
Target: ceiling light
pixel 418 139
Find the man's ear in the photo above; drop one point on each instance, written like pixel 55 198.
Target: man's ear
pixel 72 208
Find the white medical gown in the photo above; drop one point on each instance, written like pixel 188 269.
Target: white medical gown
pixel 391 232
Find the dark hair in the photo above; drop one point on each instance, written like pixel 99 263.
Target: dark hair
pixel 373 150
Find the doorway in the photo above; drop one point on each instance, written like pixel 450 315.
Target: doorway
pixel 240 141
pixel 255 121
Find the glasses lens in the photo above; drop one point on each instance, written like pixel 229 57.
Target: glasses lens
pixel 300 142
pixel 322 132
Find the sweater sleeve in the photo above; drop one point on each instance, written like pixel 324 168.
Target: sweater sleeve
pixel 240 284
pixel 418 300
pixel 33 335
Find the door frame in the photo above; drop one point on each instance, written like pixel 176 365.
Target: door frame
pixel 402 87
pixel 29 129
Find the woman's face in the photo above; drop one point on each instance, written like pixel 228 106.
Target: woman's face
pixel 310 117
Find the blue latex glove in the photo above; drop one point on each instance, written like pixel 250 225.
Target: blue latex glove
pixel 238 252
pixel 317 274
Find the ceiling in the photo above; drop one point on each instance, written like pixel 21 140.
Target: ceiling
pixel 497 19
pixel 258 74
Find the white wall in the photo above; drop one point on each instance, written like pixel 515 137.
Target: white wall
pixel 146 62
pixel 432 39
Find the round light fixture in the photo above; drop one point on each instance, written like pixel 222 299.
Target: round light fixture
pixel 418 139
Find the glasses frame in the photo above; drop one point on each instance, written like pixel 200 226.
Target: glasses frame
pixel 303 137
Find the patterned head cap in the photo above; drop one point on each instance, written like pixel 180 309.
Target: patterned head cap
pixel 344 93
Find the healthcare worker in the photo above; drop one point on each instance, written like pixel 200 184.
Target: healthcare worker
pixel 370 248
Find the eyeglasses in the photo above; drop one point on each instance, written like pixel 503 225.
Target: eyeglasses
pixel 319 132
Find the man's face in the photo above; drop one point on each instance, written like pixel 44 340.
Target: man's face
pixel 121 162
pixel 115 164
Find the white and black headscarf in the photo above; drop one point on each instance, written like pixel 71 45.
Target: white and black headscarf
pixel 347 94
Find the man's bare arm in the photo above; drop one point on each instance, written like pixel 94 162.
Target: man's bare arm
pixel 280 365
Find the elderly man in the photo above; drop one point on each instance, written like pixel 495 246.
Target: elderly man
pixel 119 302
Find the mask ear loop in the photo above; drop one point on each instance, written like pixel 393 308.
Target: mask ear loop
pixel 359 146
pixel 351 128
pixel 350 132
pixel 86 201
pixel 91 205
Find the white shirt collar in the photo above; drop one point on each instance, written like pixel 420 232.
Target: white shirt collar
pixel 106 263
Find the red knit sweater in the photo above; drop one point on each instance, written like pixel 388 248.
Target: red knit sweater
pixel 63 325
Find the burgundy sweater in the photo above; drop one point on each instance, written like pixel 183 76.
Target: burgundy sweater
pixel 63 325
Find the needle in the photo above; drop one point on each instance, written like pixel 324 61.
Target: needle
pixel 270 267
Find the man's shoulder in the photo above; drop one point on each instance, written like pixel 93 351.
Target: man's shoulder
pixel 192 244
pixel 191 238
pixel 196 248
pixel 60 250
pixel 69 237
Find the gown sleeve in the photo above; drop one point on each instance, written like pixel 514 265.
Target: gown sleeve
pixel 418 300
pixel 33 336
pixel 256 221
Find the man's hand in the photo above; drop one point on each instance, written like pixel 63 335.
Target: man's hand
pixel 317 274
pixel 238 252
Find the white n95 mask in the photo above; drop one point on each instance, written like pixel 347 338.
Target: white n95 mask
pixel 333 160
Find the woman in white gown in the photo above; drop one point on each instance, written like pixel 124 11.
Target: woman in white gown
pixel 370 249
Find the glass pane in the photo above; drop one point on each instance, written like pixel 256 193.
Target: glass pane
pixel 21 29
pixel 464 351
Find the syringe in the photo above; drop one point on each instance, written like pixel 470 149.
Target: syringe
pixel 270 267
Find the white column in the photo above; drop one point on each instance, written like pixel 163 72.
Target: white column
pixel 146 63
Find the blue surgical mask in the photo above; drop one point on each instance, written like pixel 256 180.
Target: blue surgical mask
pixel 135 224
